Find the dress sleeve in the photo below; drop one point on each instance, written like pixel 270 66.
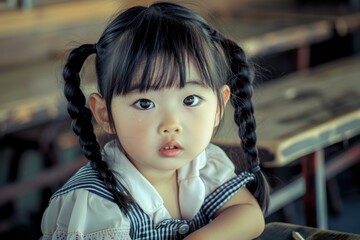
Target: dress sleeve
pixel 82 215
pixel 217 170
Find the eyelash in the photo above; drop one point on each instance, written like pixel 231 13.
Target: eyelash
pixel 150 104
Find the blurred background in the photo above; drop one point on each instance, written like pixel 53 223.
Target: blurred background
pixel 293 43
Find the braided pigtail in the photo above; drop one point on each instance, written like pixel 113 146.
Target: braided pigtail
pixel 82 125
pixel 240 79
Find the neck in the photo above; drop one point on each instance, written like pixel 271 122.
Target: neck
pixel 168 189
pixel 163 178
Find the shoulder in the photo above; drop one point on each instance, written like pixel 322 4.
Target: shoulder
pixel 79 209
pixel 218 168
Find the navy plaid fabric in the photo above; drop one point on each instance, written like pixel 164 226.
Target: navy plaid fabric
pixel 85 178
pixel 142 226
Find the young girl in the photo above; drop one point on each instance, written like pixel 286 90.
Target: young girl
pixel 164 77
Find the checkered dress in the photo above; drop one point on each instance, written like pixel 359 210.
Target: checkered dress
pixel 141 225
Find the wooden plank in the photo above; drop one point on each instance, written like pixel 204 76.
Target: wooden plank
pixel 34 95
pixel 49 30
pixel 345 20
pixel 262 35
pixel 56 16
pixel 304 112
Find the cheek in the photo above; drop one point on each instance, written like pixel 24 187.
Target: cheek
pixel 203 124
pixel 130 127
pixel 134 133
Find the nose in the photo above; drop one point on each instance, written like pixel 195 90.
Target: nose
pixel 170 125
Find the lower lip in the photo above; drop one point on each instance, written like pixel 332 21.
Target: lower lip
pixel 170 152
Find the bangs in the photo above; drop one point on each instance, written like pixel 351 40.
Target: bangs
pixel 160 50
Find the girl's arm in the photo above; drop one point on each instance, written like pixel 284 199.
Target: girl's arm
pixel 240 218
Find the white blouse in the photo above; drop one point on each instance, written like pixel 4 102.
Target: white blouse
pixel 80 214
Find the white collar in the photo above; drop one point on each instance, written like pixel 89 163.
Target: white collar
pixel 191 187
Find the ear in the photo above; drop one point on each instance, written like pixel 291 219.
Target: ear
pixel 98 108
pixel 225 94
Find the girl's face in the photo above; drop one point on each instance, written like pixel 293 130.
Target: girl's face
pixel 161 130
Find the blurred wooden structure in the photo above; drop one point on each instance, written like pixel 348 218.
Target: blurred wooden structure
pixel 35 44
pixel 299 116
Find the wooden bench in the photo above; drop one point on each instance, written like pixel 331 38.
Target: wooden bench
pixel 47 31
pixel 305 26
pixel 298 117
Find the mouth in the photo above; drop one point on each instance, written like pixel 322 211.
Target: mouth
pixel 170 149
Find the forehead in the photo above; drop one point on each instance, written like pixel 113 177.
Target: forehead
pixel 161 72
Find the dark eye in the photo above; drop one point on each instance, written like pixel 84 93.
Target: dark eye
pixel 191 100
pixel 144 104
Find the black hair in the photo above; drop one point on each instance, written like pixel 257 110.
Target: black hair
pixel 141 39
